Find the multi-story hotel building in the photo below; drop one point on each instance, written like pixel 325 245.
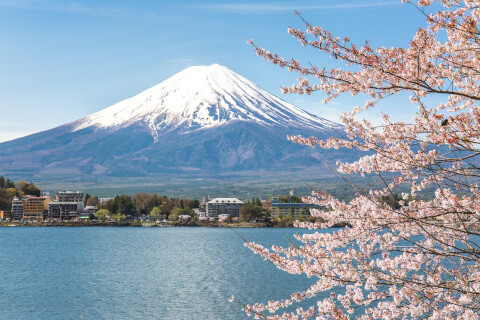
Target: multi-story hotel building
pixel 69 196
pixel 290 208
pixel 17 209
pixel 63 210
pixel 230 206
pixel 35 208
pixel 67 206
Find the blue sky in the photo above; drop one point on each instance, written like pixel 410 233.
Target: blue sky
pixel 62 60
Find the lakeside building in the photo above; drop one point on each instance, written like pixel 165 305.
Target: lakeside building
pixel 205 199
pixel 67 205
pixel 4 215
pixel 17 209
pixel 35 208
pixel 217 206
pixel 290 208
pixel 69 196
pixel 90 209
pixel 63 210
pixel 199 212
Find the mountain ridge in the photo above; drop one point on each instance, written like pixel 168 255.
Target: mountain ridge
pixel 203 121
pixel 200 97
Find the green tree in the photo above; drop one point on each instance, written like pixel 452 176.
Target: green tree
pixel 175 213
pixel 31 189
pixel 194 204
pixel 251 211
pixel 103 214
pixel 27 188
pixel 156 213
pixel 92 201
pixel 122 204
pixel 12 192
pixel 5 200
pixel 21 185
pixel 9 184
pixel 168 205
pixel 144 202
pixel 2 182
pixel 119 217
pixel 87 196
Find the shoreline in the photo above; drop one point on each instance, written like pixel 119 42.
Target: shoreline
pixel 77 224
pixel 139 225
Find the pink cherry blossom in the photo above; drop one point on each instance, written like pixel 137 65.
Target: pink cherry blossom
pixel 421 258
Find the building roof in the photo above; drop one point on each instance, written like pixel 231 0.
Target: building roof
pixel 62 202
pixel 293 205
pixel 225 200
pixel 34 198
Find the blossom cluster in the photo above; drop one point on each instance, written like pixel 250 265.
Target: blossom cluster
pixel 420 258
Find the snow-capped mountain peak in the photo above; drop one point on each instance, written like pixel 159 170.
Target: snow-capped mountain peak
pixel 201 97
pixel 206 121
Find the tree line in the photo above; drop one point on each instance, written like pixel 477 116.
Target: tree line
pixel 252 210
pixel 10 189
pixel 148 204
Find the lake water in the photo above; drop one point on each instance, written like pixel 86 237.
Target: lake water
pixel 137 273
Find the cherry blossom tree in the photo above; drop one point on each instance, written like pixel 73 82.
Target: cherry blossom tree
pixel 420 259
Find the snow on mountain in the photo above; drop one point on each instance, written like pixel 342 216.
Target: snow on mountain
pixel 204 121
pixel 201 97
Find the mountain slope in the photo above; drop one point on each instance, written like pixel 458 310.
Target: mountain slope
pixel 203 120
pixel 201 97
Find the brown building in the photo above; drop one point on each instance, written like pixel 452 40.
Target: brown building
pixel 5 215
pixel 34 208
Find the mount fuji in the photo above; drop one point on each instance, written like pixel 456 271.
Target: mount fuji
pixel 204 120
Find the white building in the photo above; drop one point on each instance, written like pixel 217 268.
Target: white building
pixel 69 196
pixel 217 206
pixel 90 209
pixel 199 213
pixel 17 209
pixel 103 200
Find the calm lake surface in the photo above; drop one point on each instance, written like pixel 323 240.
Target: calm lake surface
pixel 137 273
